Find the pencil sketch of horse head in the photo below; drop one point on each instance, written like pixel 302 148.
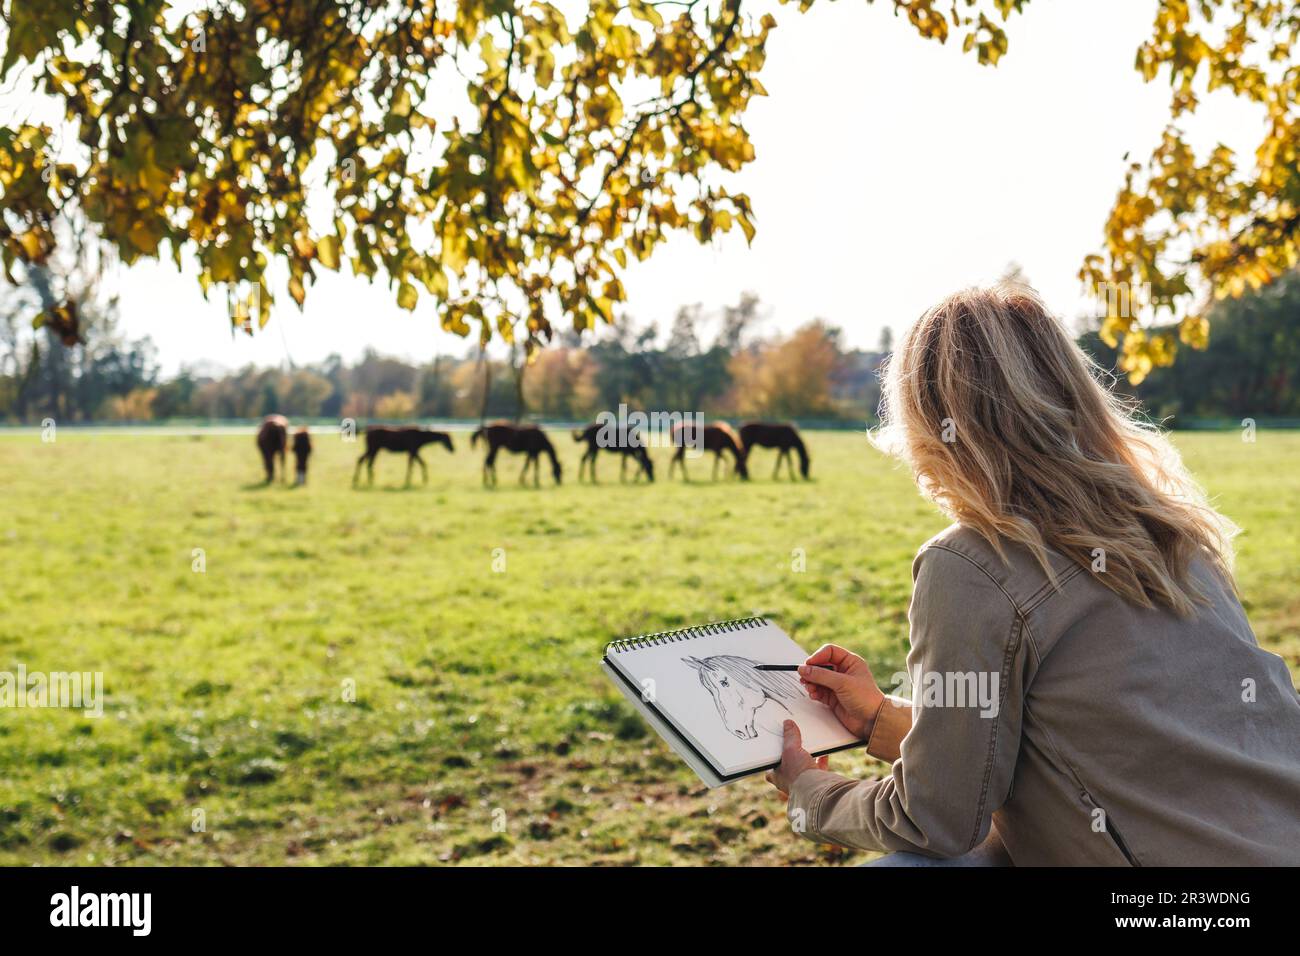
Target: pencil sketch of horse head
pixel 748 700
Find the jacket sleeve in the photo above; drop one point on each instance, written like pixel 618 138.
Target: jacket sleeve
pixel 958 760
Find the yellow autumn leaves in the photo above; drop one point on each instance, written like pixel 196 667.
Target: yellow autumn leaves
pixel 583 139
pixel 1194 230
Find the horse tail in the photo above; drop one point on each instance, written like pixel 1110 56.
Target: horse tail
pixel 473 439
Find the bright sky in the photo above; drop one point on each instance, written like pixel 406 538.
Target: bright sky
pixel 890 171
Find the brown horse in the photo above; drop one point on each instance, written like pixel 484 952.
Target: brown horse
pixel 780 435
pixel 629 443
pixel 525 439
pixel 272 439
pixel 301 452
pixel 718 437
pixel 410 440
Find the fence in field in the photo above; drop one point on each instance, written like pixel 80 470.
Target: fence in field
pixel 327 426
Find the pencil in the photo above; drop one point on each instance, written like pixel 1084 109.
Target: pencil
pixel 788 667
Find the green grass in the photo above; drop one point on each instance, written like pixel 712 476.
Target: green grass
pixel 482 730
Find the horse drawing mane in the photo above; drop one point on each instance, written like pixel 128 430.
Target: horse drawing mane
pixel 748 701
pixel 742 670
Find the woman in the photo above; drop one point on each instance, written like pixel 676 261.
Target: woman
pixel 1085 686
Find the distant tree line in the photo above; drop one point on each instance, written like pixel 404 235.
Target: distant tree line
pixel 76 369
pixel 716 363
pixel 1251 368
pixel 713 363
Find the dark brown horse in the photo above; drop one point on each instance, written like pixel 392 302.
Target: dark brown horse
pixel 717 438
pixel 410 440
pixel 272 439
pixel 780 435
pixel 519 439
pixel 301 452
pixel 629 443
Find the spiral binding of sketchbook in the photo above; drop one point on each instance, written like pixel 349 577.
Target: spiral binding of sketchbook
pixel 700 688
pixel 683 634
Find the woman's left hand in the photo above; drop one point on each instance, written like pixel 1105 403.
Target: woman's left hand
pixel 794 761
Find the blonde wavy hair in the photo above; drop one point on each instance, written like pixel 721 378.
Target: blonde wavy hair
pixel 1008 426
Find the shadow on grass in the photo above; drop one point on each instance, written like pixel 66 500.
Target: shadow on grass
pixel 266 486
pixel 514 486
pixel 396 489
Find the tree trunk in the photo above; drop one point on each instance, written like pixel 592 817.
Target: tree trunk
pixel 487 384
pixel 519 385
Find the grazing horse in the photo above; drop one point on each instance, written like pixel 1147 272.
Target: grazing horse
pixel 272 439
pixel 410 440
pixel 630 443
pixel 748 700
pixel 717 438
pixel 525 439
pixel 301 452
pixel 776 435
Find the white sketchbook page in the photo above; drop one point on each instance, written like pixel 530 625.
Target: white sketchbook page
pixel 708 689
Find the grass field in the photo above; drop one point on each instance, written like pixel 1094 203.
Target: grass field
pixel 482 731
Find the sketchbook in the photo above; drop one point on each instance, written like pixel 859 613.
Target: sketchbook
pixel 699 689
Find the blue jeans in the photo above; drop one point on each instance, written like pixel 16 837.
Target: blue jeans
pixel 989 853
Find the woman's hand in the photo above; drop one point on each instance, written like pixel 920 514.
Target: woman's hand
pixel 849 690
pixel 794 761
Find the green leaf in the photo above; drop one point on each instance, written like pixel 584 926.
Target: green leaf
pixel 407 296
pixel 327 252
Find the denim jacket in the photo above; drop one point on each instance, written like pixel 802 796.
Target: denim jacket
pixel 1087 730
